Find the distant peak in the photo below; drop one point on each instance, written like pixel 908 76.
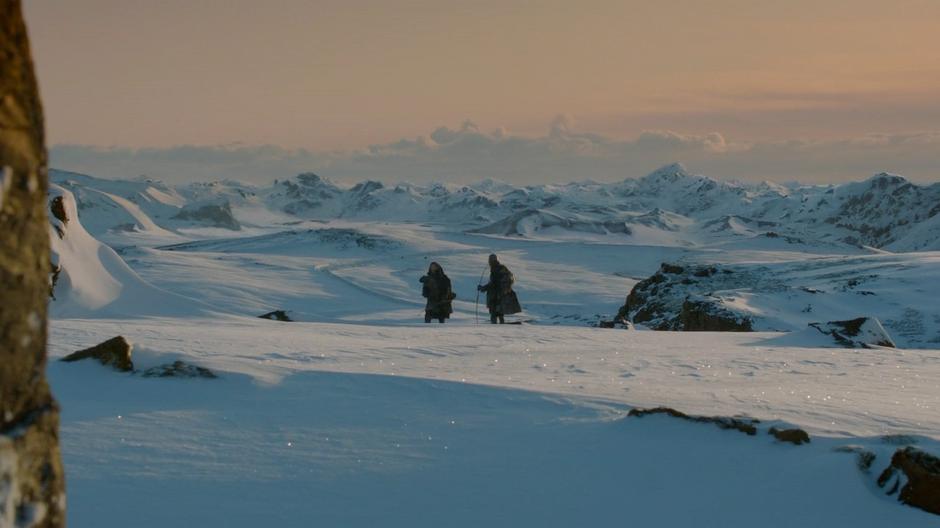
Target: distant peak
pixel 672 171
pixel 311 179
pixel 368 186
pixel 887 178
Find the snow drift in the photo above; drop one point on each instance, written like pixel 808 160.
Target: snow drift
pixel 91 279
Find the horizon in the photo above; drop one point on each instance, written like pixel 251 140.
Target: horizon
pixel 348 184
pixel 419 91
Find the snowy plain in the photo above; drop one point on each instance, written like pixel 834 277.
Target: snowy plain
pixel 358 414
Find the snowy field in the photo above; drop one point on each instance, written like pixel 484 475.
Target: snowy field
pixel 358 414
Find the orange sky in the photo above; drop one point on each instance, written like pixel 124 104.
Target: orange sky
pixel 348 73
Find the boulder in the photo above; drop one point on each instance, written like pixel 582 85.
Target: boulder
pixel 862 332
pixel 178 369
pixel 115 352
pixel 920 485
pixel 277 315
pixel 794 436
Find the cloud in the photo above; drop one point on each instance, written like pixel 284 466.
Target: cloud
pixel 563 154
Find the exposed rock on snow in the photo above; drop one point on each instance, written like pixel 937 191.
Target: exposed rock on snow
pixel 703 314
pixel 57 208
pixel 277 315
pixel 744 425
pixel 861 332
pixel 178 369
pixel 214 215
pixel 670 300
pixel 917 475
pixel 616 323
pixel 789 295
pixel 115 352
pixel 794 436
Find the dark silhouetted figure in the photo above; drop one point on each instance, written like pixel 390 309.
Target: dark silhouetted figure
pixel 500 299
pixel 438 292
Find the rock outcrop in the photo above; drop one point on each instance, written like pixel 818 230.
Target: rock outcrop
pixel 793 436
pixel 676 298
pixel 701 314
pixel 215 215
pixel 277 315
pixel 920 486
pixel 178 369
pixel 115 352
pixel 747 426
pixel 862 332
pixel 32 483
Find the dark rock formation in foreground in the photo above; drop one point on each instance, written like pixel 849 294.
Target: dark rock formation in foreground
pixel 115 352
pixel 32 483
pixel 921 484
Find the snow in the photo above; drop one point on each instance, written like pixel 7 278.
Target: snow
pixel 358 414
pixel 673 206
pixel 94 278
pixel 830 391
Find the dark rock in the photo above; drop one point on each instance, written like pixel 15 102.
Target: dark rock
pixel 616 323
pixel 115 352
pixel 57 207
pixel 178 369
pixel 862 332
pixel 921 483
pixel 54 278
pixel 671 268
pixel 32 483
pixel 704 315
pixel 794 436
pixel 213 215
pixel 705 272
pixel 669 300
pixel 276 315
pixel 744 425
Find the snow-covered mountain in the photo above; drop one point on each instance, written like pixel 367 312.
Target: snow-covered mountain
pixel 669 206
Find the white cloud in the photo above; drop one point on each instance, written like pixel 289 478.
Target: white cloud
pixel 466 153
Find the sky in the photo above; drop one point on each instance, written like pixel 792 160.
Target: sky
pixel 524 91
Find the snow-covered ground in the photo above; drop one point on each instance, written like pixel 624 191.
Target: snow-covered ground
pixel 359 415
